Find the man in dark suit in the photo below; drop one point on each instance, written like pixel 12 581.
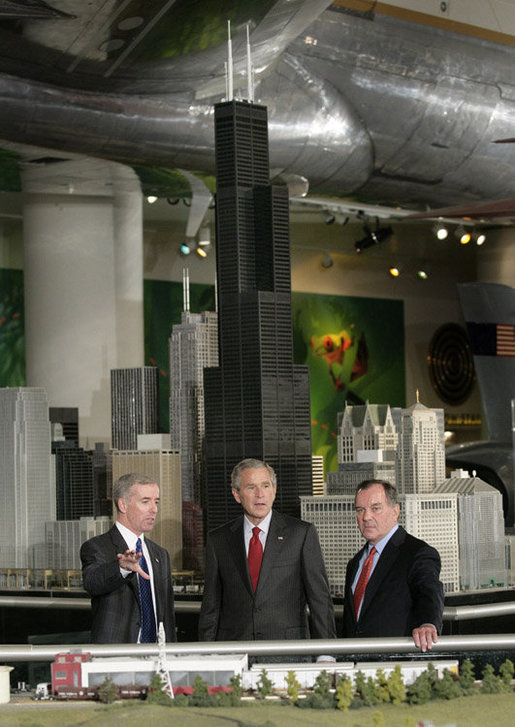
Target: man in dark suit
pixel 290 579
pixel 403 595
pixel 118 567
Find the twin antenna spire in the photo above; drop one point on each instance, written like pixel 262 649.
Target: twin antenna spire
pixel 229 86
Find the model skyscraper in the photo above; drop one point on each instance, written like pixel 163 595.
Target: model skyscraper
pixel 256 400
pixel 27 477
pixel 134 405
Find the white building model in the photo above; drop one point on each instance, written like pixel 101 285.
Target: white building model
pixel 461 517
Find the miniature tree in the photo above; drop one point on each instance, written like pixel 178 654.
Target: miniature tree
pixel 157 693
pixel 107 691
pixel 396 687
pixel 322 683
pixel 378 719
pixel 292 686
pixel 264 685
pixel 467 678
pixel 373 691
pixel 344 693
pixel 360 686
pixel 506 671
pixel 381 687
pixel 492 684
pixel 420 691
pixel 201 696
pixel 447 687
pixel 232 698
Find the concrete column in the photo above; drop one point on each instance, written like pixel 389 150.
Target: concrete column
pixel 83 254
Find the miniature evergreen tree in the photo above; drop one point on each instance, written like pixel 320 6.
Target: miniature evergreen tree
pixel 107 691
pixel 157 693
pixel 235 683
pixel 322 683
pixel 467 678
pixel 264 685
pixel 201 696
pixel 396 687
pixel 381 687
pixel 506 671
pixel 492 684
pixel 344 693
pixel 446 687
pixel 373 692
pixel 420 691
pixel 378 719
pixel 292 686
pixel 360 686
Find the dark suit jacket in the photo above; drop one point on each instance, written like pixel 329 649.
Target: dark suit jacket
pixel 404 590
pixel 292 577
pixel 115 599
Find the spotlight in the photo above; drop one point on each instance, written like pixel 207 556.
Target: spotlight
pixel 185 249
pixel 422 274
pixel 151 199
pixel 327 261
pixel 481 238
pixel 394 271
pixel 373 237
pixel 201 252
pixel 463 236
pixel 441 231
pixel 329 219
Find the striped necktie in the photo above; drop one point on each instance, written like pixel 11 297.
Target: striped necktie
pixel 361 585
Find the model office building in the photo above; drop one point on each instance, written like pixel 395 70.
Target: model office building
pixel 134 405
pixel 256 400
pixel 193 346
pixel 27 472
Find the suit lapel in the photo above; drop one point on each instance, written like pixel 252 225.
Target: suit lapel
pixel 236 551
pixel 383 567
pixel 277 536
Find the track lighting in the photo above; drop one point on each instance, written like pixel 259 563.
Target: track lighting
pixel 329 219
pixel 394 271
pixel 151 198
pixel 373 237
pixel 481 238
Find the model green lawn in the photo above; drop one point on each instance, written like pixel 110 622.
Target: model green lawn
pixel 476 711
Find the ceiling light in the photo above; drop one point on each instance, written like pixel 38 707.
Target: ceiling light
pixel 394 271
pixel 185 248
pixel 440 231
pixel 422 274
pixel 201 252
pixel 373 237
pixel 465 238
pixel 481 238
pixel 151 199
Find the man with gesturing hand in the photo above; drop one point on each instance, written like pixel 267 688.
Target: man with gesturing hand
pixel 127 575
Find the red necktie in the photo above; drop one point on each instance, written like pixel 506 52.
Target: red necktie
pixel 361 585
pixel 255 556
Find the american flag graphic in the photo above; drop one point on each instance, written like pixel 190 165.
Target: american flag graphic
pixel 505 339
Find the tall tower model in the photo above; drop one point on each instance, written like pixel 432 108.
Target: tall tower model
pixel 27 476
pixel 193 346
pixel 134 405
pixel 256 400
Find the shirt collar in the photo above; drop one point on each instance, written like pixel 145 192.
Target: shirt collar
pixel 381 544
pixel 129 537
pixel 264 525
